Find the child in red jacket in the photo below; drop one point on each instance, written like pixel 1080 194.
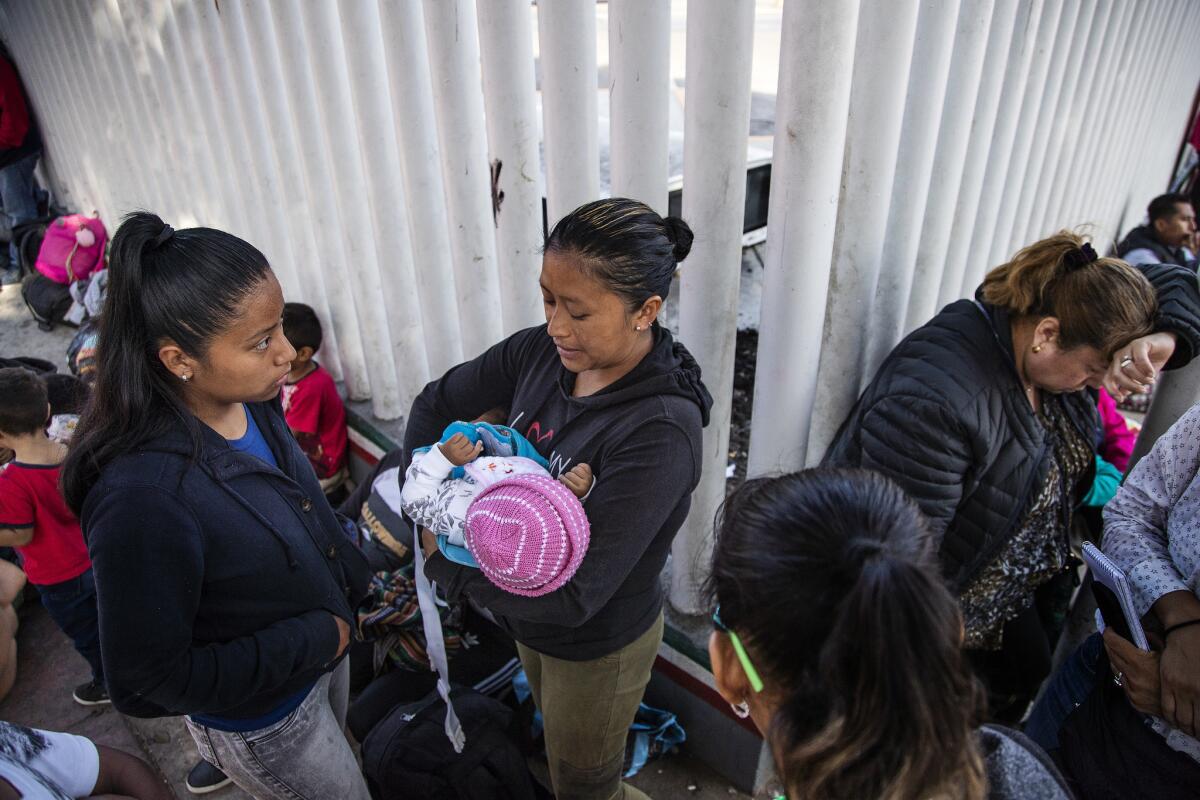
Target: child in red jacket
pixel 311 403
pixel 35 520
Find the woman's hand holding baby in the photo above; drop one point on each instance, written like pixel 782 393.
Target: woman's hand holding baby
pixel 579 480
pixel 458 450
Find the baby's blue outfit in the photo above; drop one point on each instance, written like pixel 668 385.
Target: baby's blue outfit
pixel 498 440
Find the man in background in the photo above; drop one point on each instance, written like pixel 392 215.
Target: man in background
pixel 1165 239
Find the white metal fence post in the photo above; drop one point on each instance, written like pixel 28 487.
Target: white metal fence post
pixel 816 65
pixel 384 193
pixel 987 160
pixel 506 46
pixel 716 117
pixel 882 56
pixel 567 61
pixel 639 60
pixel 453 40
pixel 416 130
pixel 937 24
pixel 984 28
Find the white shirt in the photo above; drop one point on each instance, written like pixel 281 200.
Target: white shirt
pixel 44 764
pixel 1152 531
pixel 1144 255
pixel 1152 526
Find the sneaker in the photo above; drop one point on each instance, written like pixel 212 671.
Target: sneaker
pixel 205 778
pixel 91 693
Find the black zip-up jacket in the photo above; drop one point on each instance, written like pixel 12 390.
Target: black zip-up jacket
pixel 946 418
pixel 642 438
pixel 1144 237
pixel 216 578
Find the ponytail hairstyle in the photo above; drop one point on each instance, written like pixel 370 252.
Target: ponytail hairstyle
pixel 1099 302
pixel 164 285
pixel 828 577
pixel 626 245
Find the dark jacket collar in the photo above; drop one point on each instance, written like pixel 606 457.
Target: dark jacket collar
pixel 1146 237
pixel 223 463
pixel 1000 322
pixel 219 458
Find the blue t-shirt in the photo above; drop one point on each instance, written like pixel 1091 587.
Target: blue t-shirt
pixel 255 444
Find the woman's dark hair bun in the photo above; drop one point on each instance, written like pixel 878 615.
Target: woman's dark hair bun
pixel 680 234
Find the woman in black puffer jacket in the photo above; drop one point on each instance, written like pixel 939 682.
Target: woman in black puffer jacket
pixel 986 416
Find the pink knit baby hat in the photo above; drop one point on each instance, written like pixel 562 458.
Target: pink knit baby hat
pixel 528 533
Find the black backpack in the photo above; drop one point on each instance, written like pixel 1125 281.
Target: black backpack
pixel 47 301
pixel 408 754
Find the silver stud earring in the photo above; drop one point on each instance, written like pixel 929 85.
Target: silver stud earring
pixel 742 709
pixel 185 378
pixel 637 327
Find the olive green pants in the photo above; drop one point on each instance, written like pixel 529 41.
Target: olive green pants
pixel 587 708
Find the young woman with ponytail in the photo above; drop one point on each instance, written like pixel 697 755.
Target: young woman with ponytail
pixel 225 583
pixel 986 416
pixel 837 636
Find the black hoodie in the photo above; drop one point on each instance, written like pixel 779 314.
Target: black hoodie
pixel 216 577
pixel 642 438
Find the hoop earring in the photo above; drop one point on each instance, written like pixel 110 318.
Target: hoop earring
pixel 742 709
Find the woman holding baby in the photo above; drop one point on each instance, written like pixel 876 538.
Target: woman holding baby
pixel 601 384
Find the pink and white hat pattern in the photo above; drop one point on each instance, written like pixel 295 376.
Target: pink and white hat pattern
pixel 529 534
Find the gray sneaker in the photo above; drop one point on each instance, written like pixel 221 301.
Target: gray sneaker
pixel 91 693
pixel 205 778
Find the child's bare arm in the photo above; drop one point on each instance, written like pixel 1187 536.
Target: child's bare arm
pixel 458 450
pixel 124 774
pixel 579 480
pixel 15 537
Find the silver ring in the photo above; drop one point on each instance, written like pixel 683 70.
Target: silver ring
pixel 1126 361
pixel 1119 679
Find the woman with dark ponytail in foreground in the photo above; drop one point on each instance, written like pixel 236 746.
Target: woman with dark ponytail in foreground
pixel 837 636
pixel 225 584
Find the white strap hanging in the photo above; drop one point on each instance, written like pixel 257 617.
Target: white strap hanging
pixel 435 643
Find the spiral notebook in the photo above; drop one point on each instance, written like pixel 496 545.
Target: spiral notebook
pixel 1109 575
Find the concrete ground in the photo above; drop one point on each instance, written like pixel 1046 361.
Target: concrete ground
pixel 19 334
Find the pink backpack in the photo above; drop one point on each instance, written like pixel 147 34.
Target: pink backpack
pixel 72 249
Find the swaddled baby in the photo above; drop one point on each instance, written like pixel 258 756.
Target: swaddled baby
pixel 486 494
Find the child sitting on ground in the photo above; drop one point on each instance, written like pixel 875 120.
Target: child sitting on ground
pixel 311 404
pixel 485 491
pixel 43 764
pixel 35 520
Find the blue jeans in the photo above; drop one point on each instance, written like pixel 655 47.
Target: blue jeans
pixel 1068 687
pixel 17 196
pixel 304 756
pixel 72 606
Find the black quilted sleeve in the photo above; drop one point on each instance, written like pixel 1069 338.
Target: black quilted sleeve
pixel 1178 308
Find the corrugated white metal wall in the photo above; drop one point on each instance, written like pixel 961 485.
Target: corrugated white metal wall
pixel 363 146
